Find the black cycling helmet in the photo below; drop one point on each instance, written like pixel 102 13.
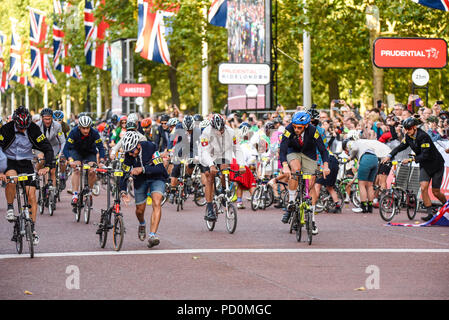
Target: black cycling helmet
pixel 114 119
pixel 188 122
pixel 165 117
pixel 22 118
pixel 410 122
pixel 269 126
pixel 198 117
pixel 344 144
pixel 131 125
pixel 46 112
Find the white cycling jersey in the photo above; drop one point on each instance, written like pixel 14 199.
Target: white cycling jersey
pixel 215 146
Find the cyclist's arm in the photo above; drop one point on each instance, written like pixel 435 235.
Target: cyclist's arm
pixel 69 146
pixel 401 147
pixel 99 145
pixel 3 161
pixel 283 149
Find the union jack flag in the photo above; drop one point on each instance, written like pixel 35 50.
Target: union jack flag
pixel 153 29
pixel 61 50
pixel 96 49
pixel 435 4
pixel 16 62
pixel 40 64
pixel 218 13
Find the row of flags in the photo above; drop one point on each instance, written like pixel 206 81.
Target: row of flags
pixel 152 43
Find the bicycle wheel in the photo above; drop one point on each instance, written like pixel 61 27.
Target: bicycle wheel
pixel 198 197
pixel 165 196
pixel 103 236
pixel 19 238
pixel 131 187
pixel 231 218
pixel 30 238
pixel 211 224
pixel 309 226
pixel 269 196
pixel 87 208
pixel 321 202
pixel 40 202
pixel 412 206
pixel 255 198
pixel 293 221
pixel 387 207
pixel 298 225
pixel 51 203
pixel 96 188
pixel 118 232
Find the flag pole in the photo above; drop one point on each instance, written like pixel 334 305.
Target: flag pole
pixel 68 101
pixel 98 96
pixel 27 100
pixel 205 74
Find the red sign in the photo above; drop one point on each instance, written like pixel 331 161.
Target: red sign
pixel 410 53
pixel 134 90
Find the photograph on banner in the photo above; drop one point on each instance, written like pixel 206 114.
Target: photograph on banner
pixel 246 44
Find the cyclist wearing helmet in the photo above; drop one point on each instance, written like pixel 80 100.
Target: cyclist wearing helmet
pixel 298 152
pixel 218 146
pixel 162 134
pixel 82 145
pixel 147 128
pixel 53 131
pixel 17 139
pixel 130 126
pixel 146 166
pixel 58 116
pixel 187 136
pixel 430 161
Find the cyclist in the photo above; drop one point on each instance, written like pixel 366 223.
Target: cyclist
pixel 218 146
pixel 185 147
pixel 431 163
pixel 17 139
pixel 162 134
pixel 147 128
pixel 54 134
pixel 58 116
pixel 82 145
pixel 367 152
pixel 130 126
pixel 149 173
pixel 298 152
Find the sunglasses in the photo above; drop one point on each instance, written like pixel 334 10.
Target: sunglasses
pixel 163 122
pixel 133 150
pixel 299 126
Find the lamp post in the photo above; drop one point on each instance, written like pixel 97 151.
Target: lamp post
pixel 373 24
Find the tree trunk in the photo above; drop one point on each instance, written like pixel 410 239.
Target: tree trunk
pixel 378 74
pixel 105 88
pixel 172 76
pixel 334 92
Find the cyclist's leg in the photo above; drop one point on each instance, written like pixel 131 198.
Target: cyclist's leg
pixel 294 161
pixel 10 193
pixel 31 194
pixel 157 189
pixel 437 180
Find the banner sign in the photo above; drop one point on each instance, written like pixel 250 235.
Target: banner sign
pixel 413 53
pixel 134 90
pixel 244 73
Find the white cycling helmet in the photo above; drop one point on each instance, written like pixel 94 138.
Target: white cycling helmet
pixel 172 122
pixel 244 130
pixel 188 122
pixel 204 124
pixel 35 118
pixel 84 121
pixel 133 117
pixel 130 141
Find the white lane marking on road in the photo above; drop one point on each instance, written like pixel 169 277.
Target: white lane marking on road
pixel 197 251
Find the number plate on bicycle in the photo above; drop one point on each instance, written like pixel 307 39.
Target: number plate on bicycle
pixel 118 174
pixel 23 178
pixel 86 166
pixel 307 176
pixel 225 171
pixel 394 163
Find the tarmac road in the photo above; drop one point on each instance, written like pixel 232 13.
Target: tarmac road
pixel 354 256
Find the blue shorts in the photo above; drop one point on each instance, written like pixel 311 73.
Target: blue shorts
pixel 90 157
pixel 367 167
pixel 141 192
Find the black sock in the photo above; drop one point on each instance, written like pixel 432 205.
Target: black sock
pixel 10 206
pixel 209 206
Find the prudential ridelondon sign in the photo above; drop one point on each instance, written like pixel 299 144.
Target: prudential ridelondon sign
pixel 413 53
pixel 244 73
